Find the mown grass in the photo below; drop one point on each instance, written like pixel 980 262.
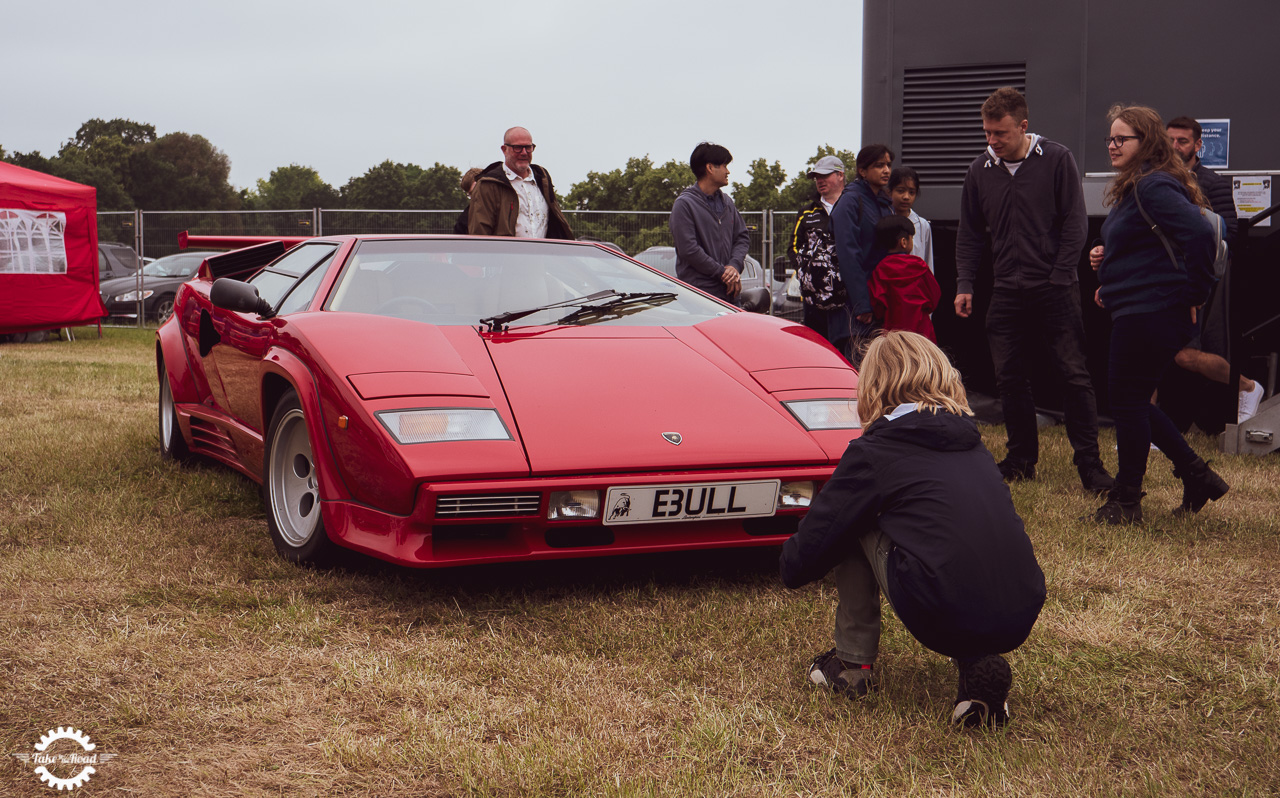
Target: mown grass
pixel 143 603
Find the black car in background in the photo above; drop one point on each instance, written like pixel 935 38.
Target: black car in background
pixel 116 260
pixel 160 281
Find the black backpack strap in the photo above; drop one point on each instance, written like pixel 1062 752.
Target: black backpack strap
pixel 1155 228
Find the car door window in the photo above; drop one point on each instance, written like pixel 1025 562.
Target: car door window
pixel 305 291
pixel 279 276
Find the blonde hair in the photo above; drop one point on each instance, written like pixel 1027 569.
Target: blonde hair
pixel 903 367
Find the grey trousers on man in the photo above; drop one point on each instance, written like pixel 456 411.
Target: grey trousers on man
pixel 859 581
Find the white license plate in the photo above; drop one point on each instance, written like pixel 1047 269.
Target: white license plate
pixel 703 501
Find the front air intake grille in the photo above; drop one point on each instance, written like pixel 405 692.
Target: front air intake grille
pixel 942 119
pixel 487 505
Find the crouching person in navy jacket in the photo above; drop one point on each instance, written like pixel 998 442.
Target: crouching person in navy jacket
pixel 918 510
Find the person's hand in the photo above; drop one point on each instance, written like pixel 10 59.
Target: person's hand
pixel 732 280
pixel 1095 257
pixel 1194 311
pixel 964 305
pixel 865 318
pixel 1097 300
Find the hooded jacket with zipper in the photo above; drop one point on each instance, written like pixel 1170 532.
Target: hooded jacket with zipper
pixel 853 223
pixel 962 574
pixel 904 292
pixel 495 205
pixel 706 240
pixel 1137 275
pixel 1036 217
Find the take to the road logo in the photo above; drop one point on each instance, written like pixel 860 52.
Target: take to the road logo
pixel 65 758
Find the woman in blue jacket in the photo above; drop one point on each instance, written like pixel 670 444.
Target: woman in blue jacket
pixel 918 510
pixel 1155 269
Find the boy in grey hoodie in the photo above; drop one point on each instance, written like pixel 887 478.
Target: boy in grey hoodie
pixel 710 237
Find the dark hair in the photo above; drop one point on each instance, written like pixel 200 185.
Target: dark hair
pixel 902 174
pixel 1155 154
pixel 707 153
pixel 1187 123
pixel 872 153
pixel 891 229
pixel 1005 102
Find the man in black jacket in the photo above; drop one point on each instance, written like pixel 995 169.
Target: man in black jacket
pixel 1204 354
pixel 917 509
pixel 1027 191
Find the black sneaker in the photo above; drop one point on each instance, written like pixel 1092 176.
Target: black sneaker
pixel 853 680
pixel 1095 478
pixel 1014 471
pixel 983 692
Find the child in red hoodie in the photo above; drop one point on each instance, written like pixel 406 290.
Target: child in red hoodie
pixel 903 290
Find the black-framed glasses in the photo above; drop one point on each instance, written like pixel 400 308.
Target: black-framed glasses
pixel 1118 141
pixel 521 147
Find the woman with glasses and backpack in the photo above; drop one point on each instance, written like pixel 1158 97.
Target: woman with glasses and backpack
pixel 1155 269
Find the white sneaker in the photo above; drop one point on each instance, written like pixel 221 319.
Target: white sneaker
pixel 1249 401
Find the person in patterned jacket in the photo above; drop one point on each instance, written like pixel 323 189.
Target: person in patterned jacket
pixel 813 249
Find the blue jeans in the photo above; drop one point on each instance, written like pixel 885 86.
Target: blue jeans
pixel 1021 323
pixel 1143 346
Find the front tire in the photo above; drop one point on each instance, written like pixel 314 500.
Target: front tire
pixel 164 308
pixel 172 445
pixel 291 488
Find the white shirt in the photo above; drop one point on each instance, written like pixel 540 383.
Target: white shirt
pixel 531 220
pixel 827 205
pixel 922 244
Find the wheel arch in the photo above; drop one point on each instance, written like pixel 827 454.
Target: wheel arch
pixel 285 372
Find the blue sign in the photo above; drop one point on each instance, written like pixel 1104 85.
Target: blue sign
pixel 1216 134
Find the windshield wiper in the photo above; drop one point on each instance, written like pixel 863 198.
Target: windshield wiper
pixel 503 319
pixel 606 309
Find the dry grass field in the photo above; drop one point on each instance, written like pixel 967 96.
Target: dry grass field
pixel 143 604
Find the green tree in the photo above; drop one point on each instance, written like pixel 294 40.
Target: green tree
pixel 400 186
pixel 641 186
pixel 181 171
pixel 761 194
pixel 292 187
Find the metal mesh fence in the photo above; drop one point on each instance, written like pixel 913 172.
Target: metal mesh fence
pixel 349 222
pixel 160 228
pixel 118 226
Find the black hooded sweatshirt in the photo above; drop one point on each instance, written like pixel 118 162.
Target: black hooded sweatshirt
pixel 962 575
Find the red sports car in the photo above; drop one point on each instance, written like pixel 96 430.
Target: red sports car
pixel 436 401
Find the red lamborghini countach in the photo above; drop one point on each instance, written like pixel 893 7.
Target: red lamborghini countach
pixel 438 401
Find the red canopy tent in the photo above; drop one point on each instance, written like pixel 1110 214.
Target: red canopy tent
pixel 48 252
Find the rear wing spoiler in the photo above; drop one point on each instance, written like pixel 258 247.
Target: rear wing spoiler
pixel 250 253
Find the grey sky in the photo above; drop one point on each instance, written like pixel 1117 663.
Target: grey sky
pixel 342 87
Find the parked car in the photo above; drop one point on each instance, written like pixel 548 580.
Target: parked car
pixel 446 400
pixel 753 276
pixel 160 281
pixel 115 260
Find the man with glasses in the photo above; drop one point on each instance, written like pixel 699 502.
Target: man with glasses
pixel 515 197
pixel 1026 190
pixel 1203 354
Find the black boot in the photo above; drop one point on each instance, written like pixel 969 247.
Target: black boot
pixel 1094 477
pixel 1124 506
pixel 1200 484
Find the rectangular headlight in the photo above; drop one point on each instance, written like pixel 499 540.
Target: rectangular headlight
pixel 567 504
pixel 795 494
pixel 826 413
pixel 438 424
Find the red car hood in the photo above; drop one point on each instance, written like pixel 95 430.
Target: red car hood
pixel 598 399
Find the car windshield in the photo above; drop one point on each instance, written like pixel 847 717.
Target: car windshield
pixel 462 281
pixel 183 265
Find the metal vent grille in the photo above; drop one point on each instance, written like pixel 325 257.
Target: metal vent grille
pixel 941 121
pixel 487 505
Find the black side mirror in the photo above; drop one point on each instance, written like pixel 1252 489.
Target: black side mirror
pixel 241 297
pixel 756 300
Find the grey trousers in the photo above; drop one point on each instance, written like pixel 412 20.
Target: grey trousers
pixel 859 581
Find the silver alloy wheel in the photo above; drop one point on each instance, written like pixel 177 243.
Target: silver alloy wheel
pixel 291 482
pixel 164 310
pixel 167 415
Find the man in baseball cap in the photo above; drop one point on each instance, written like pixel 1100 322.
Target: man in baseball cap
pixel 826 302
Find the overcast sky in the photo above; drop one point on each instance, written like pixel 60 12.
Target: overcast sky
pixel 341 87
